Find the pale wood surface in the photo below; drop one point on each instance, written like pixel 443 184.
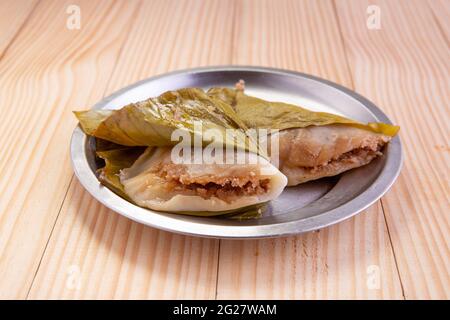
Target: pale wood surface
pixel 327 264
pixel 13 15
pixel 409 60
pixel 56 241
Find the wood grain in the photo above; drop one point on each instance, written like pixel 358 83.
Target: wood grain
pixel 335 262
pixel 13 15
pixel 40 84
pixel 96 254
pixel 114 257
pixel 440 10
pixel 404 68
pixel 56 241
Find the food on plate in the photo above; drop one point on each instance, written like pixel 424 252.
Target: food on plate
pixel 136 141
pixel 137 145
pixel 312 145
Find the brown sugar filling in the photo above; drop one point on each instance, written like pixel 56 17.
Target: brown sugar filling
pixel 208 186
pixel 355 155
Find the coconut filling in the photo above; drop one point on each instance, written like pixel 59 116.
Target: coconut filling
pixel 159 184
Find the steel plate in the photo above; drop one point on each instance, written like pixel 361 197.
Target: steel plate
pixel 307 207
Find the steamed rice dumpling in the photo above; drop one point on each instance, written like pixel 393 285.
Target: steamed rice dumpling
pixel 156 182
pixel 312 145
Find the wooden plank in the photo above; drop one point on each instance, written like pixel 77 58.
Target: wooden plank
pixel 441 12
pixel 95 253
pixel 13 15
pixel 404 68
pixel 45 73
pixel 340 262
pixel 337 262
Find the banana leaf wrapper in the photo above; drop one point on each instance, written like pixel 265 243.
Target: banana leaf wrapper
pixel 116 158
pixel 245 213
pixel 152 122
pixel 259 113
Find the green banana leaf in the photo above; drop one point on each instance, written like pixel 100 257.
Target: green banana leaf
pixel 259 113
pixel 116 157
pixel 246 213
pixel 151 122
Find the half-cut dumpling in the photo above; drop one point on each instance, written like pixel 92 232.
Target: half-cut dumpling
pixel 156 182
pixel 321 151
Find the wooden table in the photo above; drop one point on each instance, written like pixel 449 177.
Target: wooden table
pixel 56 241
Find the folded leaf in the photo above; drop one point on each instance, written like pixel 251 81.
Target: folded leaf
pixel 246 213
pixel 116 157
pixel 259 113
pixel 152 122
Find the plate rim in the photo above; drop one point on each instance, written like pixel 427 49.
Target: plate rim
pixel 362 201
